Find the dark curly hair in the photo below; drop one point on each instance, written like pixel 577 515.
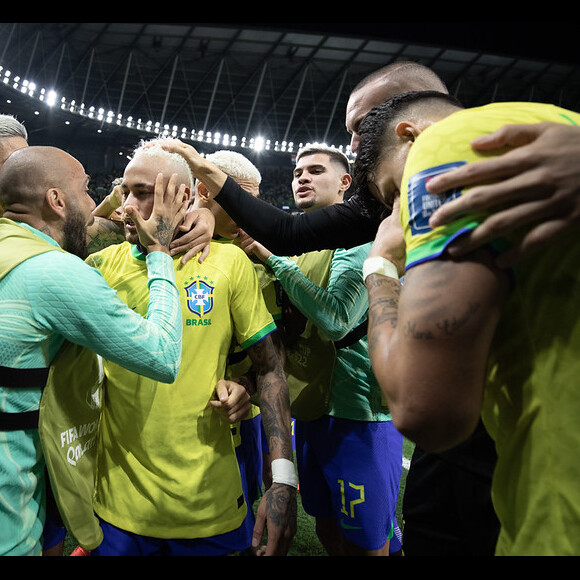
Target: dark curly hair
pixel 372 133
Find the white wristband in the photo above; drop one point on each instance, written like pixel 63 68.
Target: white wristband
pixel 379 265
pixel 283 472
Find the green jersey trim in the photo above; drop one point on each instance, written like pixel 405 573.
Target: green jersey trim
pixel 137 253
pixel 271 327
pixel 432 249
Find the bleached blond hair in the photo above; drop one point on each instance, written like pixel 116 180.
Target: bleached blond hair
pixel 234 164
pixel 153 149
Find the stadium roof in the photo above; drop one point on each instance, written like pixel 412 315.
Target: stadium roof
pixel 281 82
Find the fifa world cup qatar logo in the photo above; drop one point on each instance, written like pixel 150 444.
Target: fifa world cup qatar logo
pixel 199 297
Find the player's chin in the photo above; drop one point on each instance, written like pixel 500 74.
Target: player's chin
pixel 131 234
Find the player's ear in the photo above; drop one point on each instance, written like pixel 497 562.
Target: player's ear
pixel 407 130
pixel 55 201
pixel 346 181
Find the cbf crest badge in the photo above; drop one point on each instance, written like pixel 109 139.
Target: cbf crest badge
pixel 199 297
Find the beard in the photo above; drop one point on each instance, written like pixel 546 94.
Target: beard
pixel 132 238
pixel 306 204
pixel 75 235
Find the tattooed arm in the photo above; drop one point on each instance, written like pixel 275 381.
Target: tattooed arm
pixel 104 232
pixel 277 510
pixel 429 341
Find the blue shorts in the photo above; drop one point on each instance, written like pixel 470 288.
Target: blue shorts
pixel 53 534
pixel 350 471
pixel 249 456
pixel 117 542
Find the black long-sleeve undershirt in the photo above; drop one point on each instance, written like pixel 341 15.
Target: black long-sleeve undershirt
pixel 342 225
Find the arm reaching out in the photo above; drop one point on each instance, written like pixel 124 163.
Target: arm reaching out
pixel 342 225
pixel 111 202
pixel 209 174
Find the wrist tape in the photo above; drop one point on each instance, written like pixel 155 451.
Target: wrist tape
pixel 283 472
pixel 379 265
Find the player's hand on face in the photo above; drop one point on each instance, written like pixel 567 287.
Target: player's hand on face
pixel 198 229
pixel 389 242
pixel 169 208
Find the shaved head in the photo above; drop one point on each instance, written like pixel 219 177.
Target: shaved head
pixel 29 172
pixel 407 76
pixel 47 188
pixel 383 84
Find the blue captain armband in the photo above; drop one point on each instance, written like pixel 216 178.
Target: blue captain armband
pixel 422 204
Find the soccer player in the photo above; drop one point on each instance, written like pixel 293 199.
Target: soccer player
pixel 168 481
pixel 249 436
pixel 463 338
pixel 49 296
pixel 349 454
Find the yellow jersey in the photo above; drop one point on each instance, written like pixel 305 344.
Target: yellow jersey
pixel 531 406
pixel 166 462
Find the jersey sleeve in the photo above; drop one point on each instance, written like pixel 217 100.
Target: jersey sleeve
pixel 445 146
pixel 252 320
pixel 336 309
pixel 73 299
pixel 422 242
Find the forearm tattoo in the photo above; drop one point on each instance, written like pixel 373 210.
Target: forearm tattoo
pixel 384 293
pixel 429 313
pixel 273 393
pixel 383 308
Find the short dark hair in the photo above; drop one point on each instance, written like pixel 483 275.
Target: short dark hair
pixel 334 154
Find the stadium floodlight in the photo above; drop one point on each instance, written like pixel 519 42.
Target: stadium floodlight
pixel 259 143
pixel 49 97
